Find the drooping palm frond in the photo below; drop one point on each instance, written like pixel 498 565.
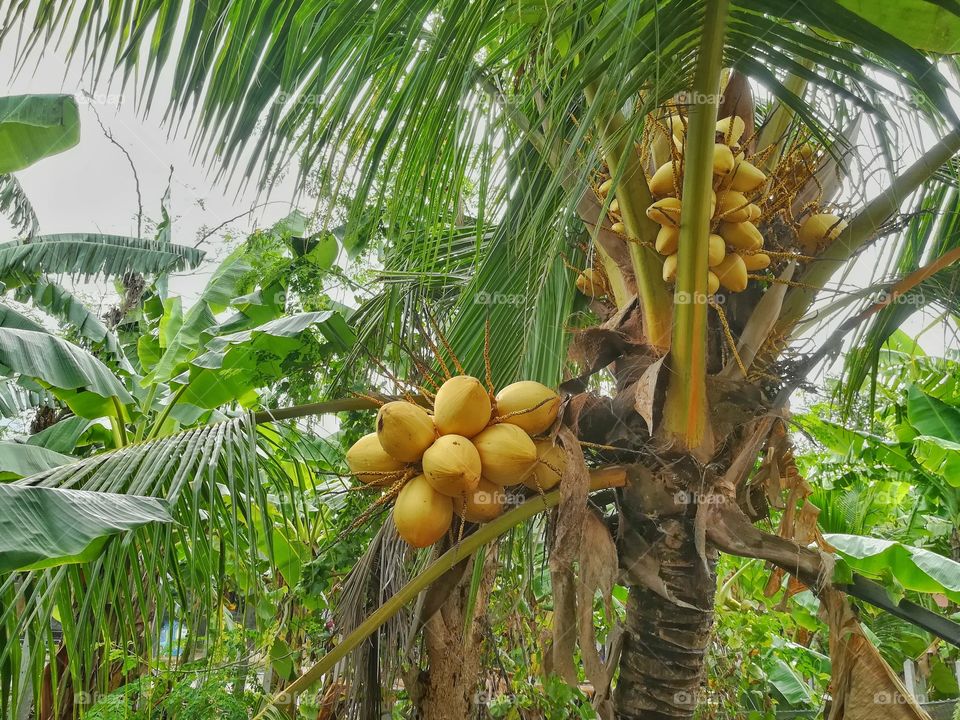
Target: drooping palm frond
pixel 117 602
pixel 931 232
pixel 90 255
pixel 15 204
pixel 343 85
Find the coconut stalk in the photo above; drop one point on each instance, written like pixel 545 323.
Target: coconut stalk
pixel 863 228
pixel 685 409
pixel 599 480
pixel 633 194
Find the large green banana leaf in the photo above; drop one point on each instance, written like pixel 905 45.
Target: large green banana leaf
pixel 19 460
pixel 35 126
pixel 910 568
pixel 42 527
pixel 923 24
pixel 92 254
pixel 58 363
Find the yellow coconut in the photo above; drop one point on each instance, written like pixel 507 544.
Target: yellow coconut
pixel 723 161
pixel 482 505
pixel 743 235
pixel 746 177
pixel 529 405
pixel 605 187
pixel 670 268
pixel 716 250
pixel 421 514
pixel 732 273
pixel 370 462
pixel 452 465
pixel 732 206
pixel 756 261
pixel 405 430
pixel 507 454
pixel 551 461
pixel 755 212
pixel 619 228
pixel 615 207
pixel 731 129
pixel 665 212
pixel 713 283
pixel 819 229
pixel 663 180
pixel 668 239
pixel 461 407
pixel 590 282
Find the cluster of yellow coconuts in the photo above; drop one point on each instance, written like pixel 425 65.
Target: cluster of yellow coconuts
pixel 458 460
pixel 735 242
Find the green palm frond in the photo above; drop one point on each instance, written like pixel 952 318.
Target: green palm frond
pixel 15 204
pixel 216 489
pixel 90 255
pixel 932 229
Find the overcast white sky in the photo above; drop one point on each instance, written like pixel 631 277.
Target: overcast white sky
pixel 90 188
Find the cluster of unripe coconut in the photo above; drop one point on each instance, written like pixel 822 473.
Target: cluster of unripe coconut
pixel 458 460
pixel 735 244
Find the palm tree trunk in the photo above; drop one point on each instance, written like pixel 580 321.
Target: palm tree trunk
pixel 665 644
pixel 449 684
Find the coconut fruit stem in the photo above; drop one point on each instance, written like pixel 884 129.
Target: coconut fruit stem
pixel 599 480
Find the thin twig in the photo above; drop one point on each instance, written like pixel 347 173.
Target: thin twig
pixel 133 168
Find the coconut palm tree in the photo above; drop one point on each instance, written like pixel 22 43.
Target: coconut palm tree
pixel 469 142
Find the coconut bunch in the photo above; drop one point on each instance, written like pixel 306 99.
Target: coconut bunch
pixel 457 460
pixel 735 247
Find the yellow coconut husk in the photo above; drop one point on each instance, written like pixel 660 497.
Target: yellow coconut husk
pixel 756 261
pixel 670 267
pixel 746 177
pixel 591 283
pixel 619 228
pixel 819 230
pixel 421 514
pixel 668 239
pixel 723 161
pixel 551 461
pixel 605 187
pixel 452 465
pixel 405 430
pixel 713 282
pixel 742 236
pixel 716 250
pixel 731 135
pixel 482 505
pixel 462 407
pixel 507 454
pixel 665 212
pixel 732 206
pixel 755 212
pixel 528 405
pixel 370 463
pixel 732 273
pixel 663 181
